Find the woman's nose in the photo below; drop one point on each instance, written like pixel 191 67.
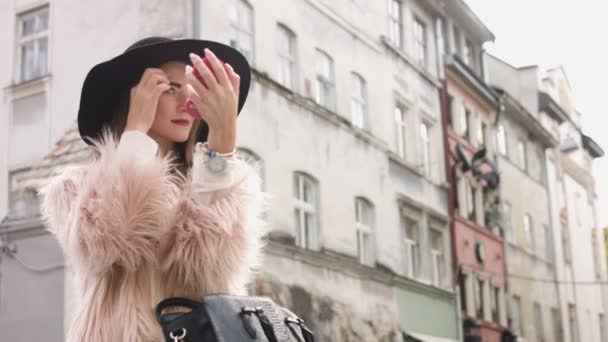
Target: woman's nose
pixel 182 96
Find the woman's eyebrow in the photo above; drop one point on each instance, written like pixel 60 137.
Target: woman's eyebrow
pixel 175 84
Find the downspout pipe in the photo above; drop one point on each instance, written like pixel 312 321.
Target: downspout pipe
pixel 196 19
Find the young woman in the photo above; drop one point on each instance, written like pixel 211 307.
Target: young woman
pixel 165 208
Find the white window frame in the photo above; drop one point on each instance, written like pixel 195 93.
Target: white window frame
pixel 529 232
pixel 254 160
pixel 419 32
pixel 426 148
pixel 521 155
pixel 517 315
pixel 507 211
pixel 501 139
pixel 395 23
pixel 308 237
pixel 400 116
pixel 412 248
pixel 438 258
pixel 358 101
pixel 365 231
pixel 241 8
pixel 325 80
pixel 35 39
pixel 287 57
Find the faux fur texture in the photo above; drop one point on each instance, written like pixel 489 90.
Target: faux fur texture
pixel 135 234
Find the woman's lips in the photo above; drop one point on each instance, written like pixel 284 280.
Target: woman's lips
pixel 181 122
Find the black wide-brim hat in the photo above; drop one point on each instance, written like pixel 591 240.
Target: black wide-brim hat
pixel 108 82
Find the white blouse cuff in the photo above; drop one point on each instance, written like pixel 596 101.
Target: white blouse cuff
pixel 137 144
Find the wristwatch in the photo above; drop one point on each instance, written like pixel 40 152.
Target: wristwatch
pixel 214 161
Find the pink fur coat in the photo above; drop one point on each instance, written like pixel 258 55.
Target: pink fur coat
pixel 134 234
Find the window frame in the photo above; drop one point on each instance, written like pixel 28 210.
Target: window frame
pixel 362 229
pixel 325 83
pixel 400 120
pixel 287 59
pixel 522 159
pixel 438 258
pixel 426 150
pixel 310 237
pixel 529 232
pixel 237 27
pixel 413 251
pixel 501 139
pixel 395 22
pixel 21 40
pixel 420 35
pixel 358 100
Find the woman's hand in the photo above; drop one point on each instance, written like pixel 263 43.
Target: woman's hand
pixel 144 99
pixel 218 102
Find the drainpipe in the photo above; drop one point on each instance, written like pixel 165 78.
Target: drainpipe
pixel 196 19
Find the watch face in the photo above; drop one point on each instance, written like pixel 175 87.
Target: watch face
pixel 216 164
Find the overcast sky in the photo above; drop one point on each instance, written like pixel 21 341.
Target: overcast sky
pixel 572 33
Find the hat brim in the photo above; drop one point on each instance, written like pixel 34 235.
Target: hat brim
pixel 107 82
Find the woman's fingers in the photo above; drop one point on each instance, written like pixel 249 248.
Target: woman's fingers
pixel 159 89
pixel 218 68
pixel 194 83
pixel 149 75
pixel 204 71
pixel 235 79
pixel 154 79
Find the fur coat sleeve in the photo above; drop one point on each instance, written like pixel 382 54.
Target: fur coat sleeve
pixel 201 232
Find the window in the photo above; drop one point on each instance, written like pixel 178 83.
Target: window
pixel 495 304
pixel 501 139
pixel 438 256
pixel 28 119
pixel 556 324
pixel 401 131
pixel 481 133
pixel 395 25
pixel 517 315
pixel 287 57
pixel 529 232
pixel 603 335
pixel 469 54
pixel 425 143
pixel 521 154
pixel 306 211
pixel 470 194
pixel 420 43
pixel 464 124
pixel 538 323
pixel 324 86
pixel 450 111
pixel 364 226
pixel 33 44
pixel 358 102
pixel 241 28
pixel 253 160
pixel 479 297
pixel 412 244
pixel 572 321
pixel 462 287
